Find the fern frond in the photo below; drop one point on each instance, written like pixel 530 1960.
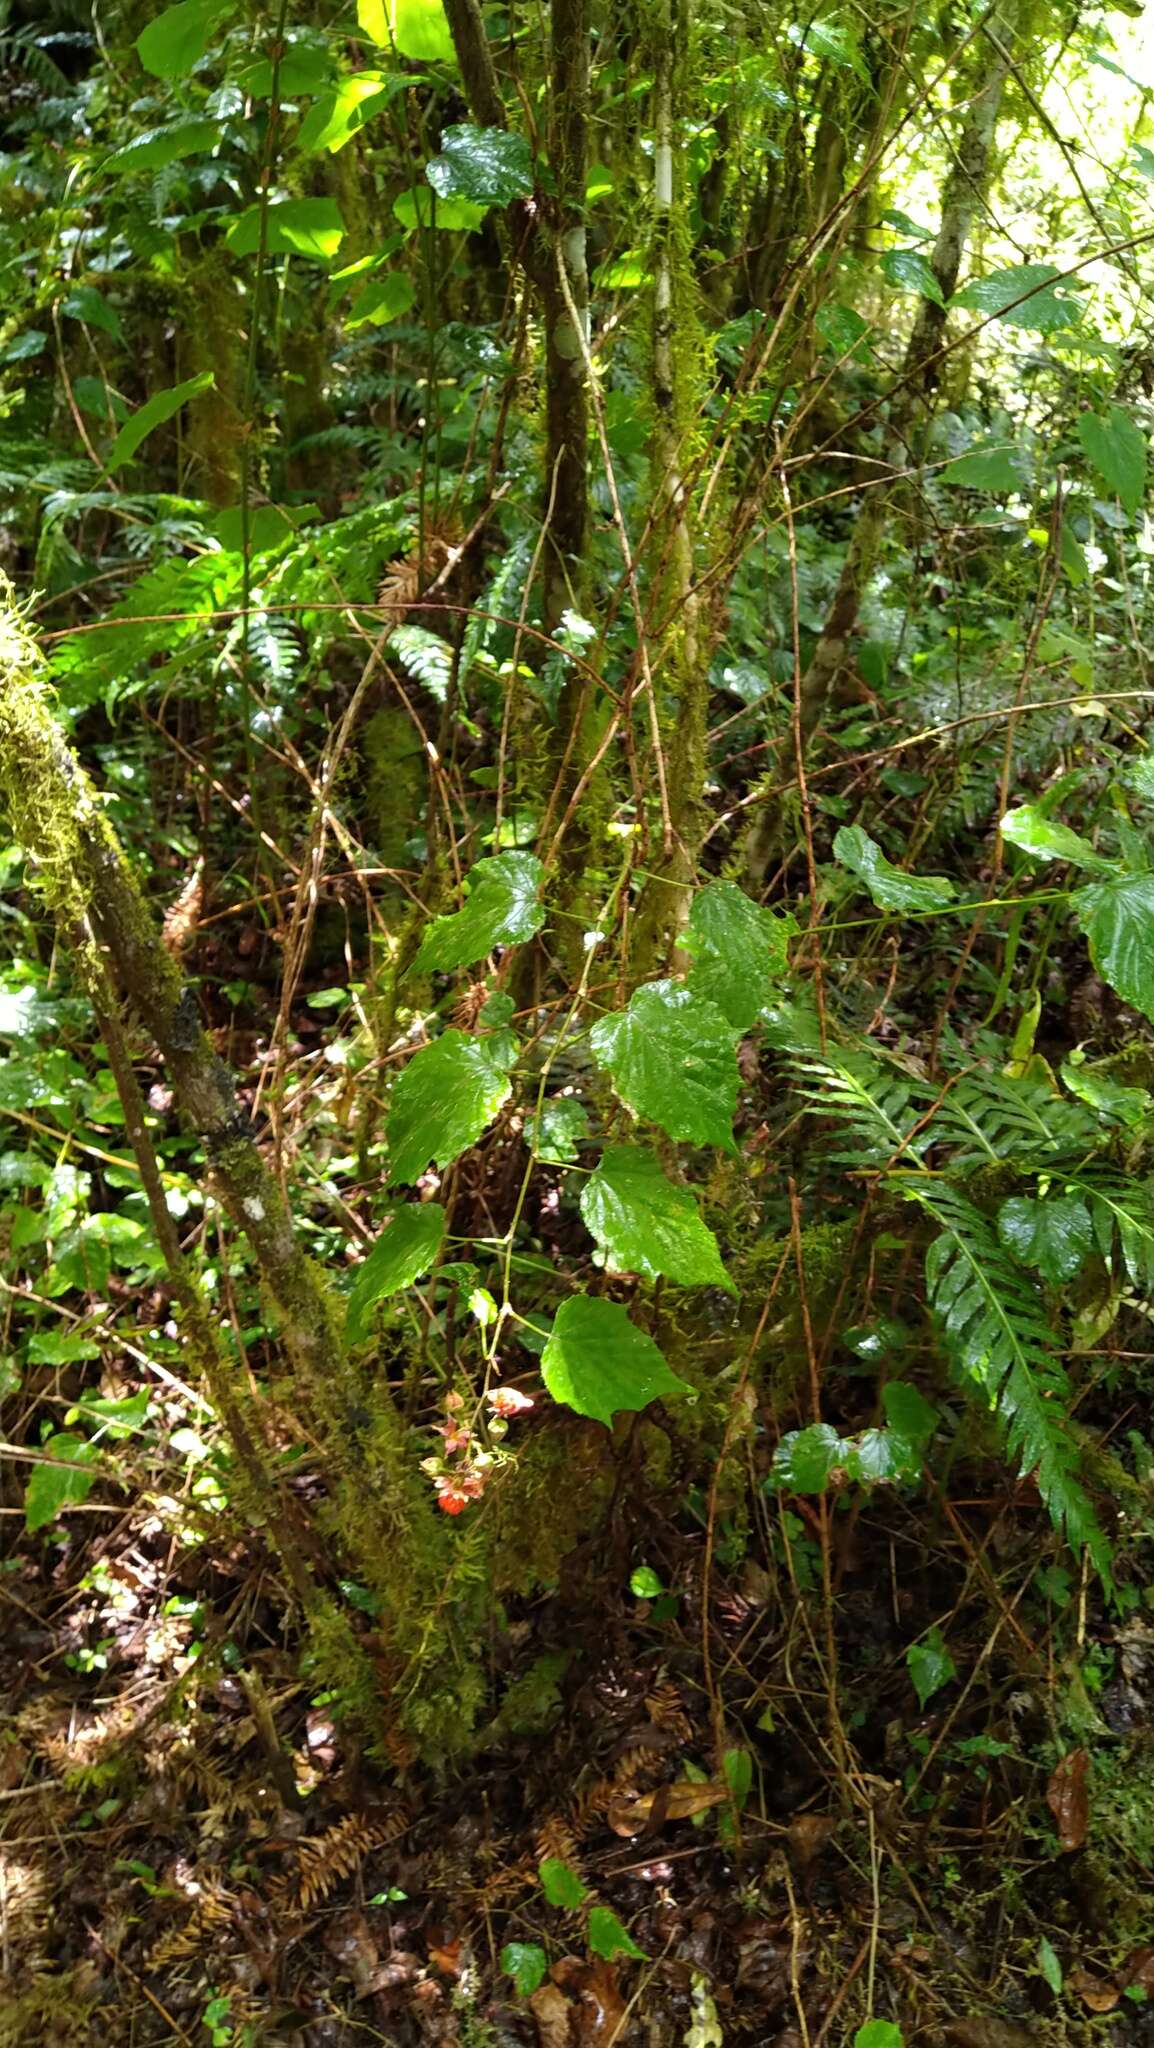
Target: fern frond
pixel 426 656
pixel 878 1105
pixel 988 1117
pixel 1124 1208
pixel 997 1332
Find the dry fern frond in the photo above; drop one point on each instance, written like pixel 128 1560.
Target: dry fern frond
pixel 666 1709
pixel 408 577
pixel 556 1839
pixel 213 1910
pixel 324 1860
pixel 178 928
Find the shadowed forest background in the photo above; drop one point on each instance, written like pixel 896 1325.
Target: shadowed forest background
pixel 576 999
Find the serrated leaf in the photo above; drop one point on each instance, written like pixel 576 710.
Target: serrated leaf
pixel 555 1135
pixel 890 887
pixel 176 41
pixel 1025 295
pixel 1047 839
pixel 910 271
pixel 608 1938
pixel 154 148
pixel 805 1458
pixel 879 2034
pixel 302 227
pixel 560 1884
pixel 489 166
pixel 339 115
pixel 85 303
pixel 1053 1236
pixel 442 1102
pixel 405 1249
pixel 503 908
pixel 599 1363
pixel 1117 918
pixel 672 1056
pixel 740 951
pixel 930 1666
pixel 153 413
pixel 419 207
pixel 526 1964
pixel 995 468
pixel 52 1487
pixel 908 1412
pixel 1116 447
pixel 382 299
pixel 644 1223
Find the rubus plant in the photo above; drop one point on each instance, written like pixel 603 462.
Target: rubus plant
pixel 567 585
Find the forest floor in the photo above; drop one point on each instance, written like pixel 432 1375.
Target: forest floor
pixel 195 1850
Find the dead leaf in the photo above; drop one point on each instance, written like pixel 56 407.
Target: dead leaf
pixel 808 1835
pixel 551 2009
pixel 1094 1992
pixel 446 1956
pixel 631 1814
pixel 1068 1798
pixel 1140 1970
pixel 598 2006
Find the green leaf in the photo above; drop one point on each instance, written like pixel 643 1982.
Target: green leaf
pixel 833 41
pixel 672 1058
pixel 421 30
pixel 910 271
pixel 1117 918
pixel 996 468
pixel 930 1666
pixel 890 888
pixel 994 1324
pixel 646 1224
pixel 1116 447
pixel 382 299
pixel 560 1884
pixel 154 148
pixel 526 1964
pixel 50 1347
pixel 1050 1966
pixel 805 1458
pixel 176 41
pixel 52 1487
pixel 842 329
pixel 737 1766
pixel 1046 839
pixel 116 1416
pixel 740 951
pixel 645 1583
pixel 486 165
pixel 608 1938
pixel 879 2034
pixel 405 1249
pixel 561 1128
pixel 86 304
pixel 597 1362
pixel 418 207
pixel 908 1412
pixel 442 1102
pixel 503 908
pixel 1054 1236
pixel 1025 295
pixel 153 413
pixel 340 114
pixel 299 227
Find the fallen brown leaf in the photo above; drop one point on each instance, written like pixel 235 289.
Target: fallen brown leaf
pixel 551 2009
pixel 1068 1798
pixel 1139 1968
pixel 1094 1992
pixel 630 1814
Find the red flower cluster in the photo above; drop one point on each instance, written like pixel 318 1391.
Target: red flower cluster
pixel 466 1478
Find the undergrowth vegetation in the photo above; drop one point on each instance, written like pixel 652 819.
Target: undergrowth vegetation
pixel 577 989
